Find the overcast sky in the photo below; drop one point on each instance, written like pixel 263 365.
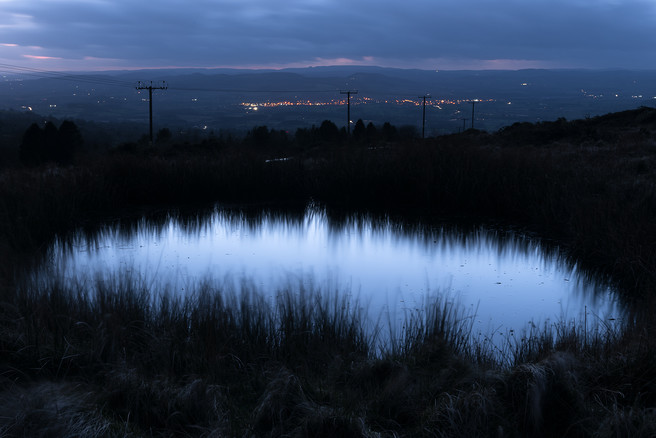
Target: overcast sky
pixel 430 34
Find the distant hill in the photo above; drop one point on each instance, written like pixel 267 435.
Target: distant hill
pixel 380 81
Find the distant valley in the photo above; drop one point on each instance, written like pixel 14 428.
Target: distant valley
pixel 203 101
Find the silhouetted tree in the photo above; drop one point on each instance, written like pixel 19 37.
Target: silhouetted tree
pixel 261 136
pixel 50 144
pixel 304 136
pixel 359 130
pixel 389 132
pixel 277 138
pixel 69 142
pixel 328 131
pixel 163 136
pixel 372 133
pixel 258 136
pixel 31 148
pixel 50 141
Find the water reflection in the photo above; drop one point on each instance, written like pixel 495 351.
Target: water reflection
pixel 507 279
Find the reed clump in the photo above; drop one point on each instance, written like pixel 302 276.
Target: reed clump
pixel 130 359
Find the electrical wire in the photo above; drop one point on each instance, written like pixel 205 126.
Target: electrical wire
pixel 230 90
pixel 48 74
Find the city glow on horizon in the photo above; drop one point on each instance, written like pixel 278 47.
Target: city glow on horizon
pixel 436 102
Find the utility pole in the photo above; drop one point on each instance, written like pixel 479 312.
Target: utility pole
pixel 473 102
pixel 423 120
pixel 150 87
pixel 348 109
pixel 464 124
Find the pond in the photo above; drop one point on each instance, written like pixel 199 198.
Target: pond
pixel 505 280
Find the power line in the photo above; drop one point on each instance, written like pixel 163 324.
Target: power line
pixel 48 74
pixel 109 81
pixel 233 90
pixel 101 80
pixel 105 80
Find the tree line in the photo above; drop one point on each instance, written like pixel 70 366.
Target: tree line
pixel 46 143
pixel 50 144
pixel 328 133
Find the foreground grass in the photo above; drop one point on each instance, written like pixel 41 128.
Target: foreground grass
pixel 116 358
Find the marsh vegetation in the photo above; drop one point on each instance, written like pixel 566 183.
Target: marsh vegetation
pixel 117 357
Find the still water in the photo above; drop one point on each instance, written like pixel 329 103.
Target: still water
pixel 507 280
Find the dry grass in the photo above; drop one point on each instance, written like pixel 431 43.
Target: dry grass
pixel 126 359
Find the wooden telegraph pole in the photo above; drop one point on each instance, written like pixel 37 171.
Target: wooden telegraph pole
pixel 150 87
pixel 348 109
pixel 423 119
pixel 473 102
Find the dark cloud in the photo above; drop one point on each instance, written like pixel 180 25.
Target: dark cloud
pixel 575 33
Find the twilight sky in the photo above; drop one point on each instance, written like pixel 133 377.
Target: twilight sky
pixel 430 34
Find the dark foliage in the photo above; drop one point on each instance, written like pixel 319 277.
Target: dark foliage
pixel 328 131
pixel 50 144
pixel 32 147
pixel 261 137
pixel 359 130
pixel 389 132
pixel 164 136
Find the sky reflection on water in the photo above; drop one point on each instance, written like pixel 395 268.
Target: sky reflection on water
pixel 507 278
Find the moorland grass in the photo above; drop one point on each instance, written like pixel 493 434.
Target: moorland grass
pixel 119 357
pixel 130 360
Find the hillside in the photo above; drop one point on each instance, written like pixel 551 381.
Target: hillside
pixel 124 358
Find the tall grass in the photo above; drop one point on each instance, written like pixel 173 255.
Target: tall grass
pixel 226 360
